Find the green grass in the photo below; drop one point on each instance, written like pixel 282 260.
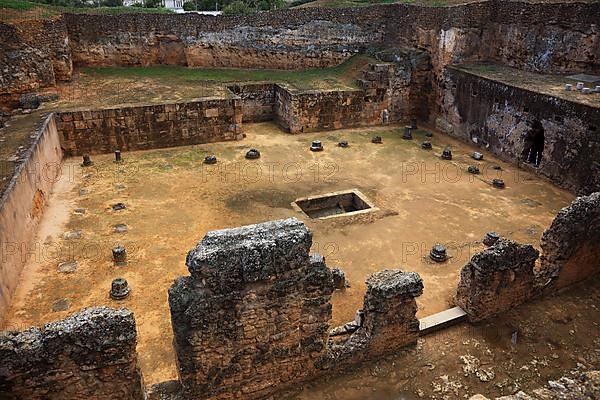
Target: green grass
pixel 343 74
pixel 17 4
pixel 21 9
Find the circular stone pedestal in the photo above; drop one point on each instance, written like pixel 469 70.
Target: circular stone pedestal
pixel 210 159
pixel 498 183
pixel 490 238
pixel 377 140
pixel 316 145
pixel 343 144
pixel 426 145
pixel 119 289
pixel 87 161
pixel 447 154
pixel 253 154
pixel 119 255
pixel 438 253
pixel 473 170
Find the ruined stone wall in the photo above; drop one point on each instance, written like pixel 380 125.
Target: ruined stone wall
pixel 497 279
pixel 22 205
pixel 149 127
pixel 254 315
pixel 89 355
pixel 570 246
pixel 386 323
pixel 33 55
pixel 500 118
pixel 257 100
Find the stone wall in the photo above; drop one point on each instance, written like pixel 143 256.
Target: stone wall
pixel 570 246
pixel 565 36
pixel 501 118
pixel 22 205
pixel 150 127
pixel 386 323
pixel 257 100
pixel 288 39
pixel 33 55
pixel 90 354
pixel 328 110
pixel 497 279
pixel 254 315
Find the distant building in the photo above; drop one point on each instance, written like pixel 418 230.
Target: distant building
pixel 175 5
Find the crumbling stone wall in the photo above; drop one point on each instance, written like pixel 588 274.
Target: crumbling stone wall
pixel 253 317
pixel 89 355
pixel 497 279
pixel 254 314
pixel 33 55
pixel 22 204
pixel 571 244
pixel 150 127
pixel 499 117
pixel 386 323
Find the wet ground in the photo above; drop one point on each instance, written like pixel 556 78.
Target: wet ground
pixel 173 199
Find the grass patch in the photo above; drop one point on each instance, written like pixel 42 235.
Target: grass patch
pixel 17 4
pixel 22 10
pixel 343 75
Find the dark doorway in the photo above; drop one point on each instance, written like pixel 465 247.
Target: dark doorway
pixel 534 144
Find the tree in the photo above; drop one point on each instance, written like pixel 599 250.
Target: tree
pixel 189 6
pixel 238 7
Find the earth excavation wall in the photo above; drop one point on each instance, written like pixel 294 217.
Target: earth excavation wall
pixel 22 205
pixel 502 119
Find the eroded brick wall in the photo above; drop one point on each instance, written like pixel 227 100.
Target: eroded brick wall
pixel 150 127
pixel 497 279
pixel 89 355
pixel 570 246
pixel 500 118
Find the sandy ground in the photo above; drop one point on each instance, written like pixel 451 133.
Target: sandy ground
pixel 173 199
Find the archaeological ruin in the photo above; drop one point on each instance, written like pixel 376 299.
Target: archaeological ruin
pixel 387 201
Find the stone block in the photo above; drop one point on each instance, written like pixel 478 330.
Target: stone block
pixel 497 279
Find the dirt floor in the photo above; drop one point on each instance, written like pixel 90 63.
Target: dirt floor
pixel 554 335
pixel 173 199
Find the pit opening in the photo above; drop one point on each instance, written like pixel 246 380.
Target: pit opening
pixel 336 204
pixel 534 144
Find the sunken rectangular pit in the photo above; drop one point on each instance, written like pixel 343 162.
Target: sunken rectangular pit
pixel 335 204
